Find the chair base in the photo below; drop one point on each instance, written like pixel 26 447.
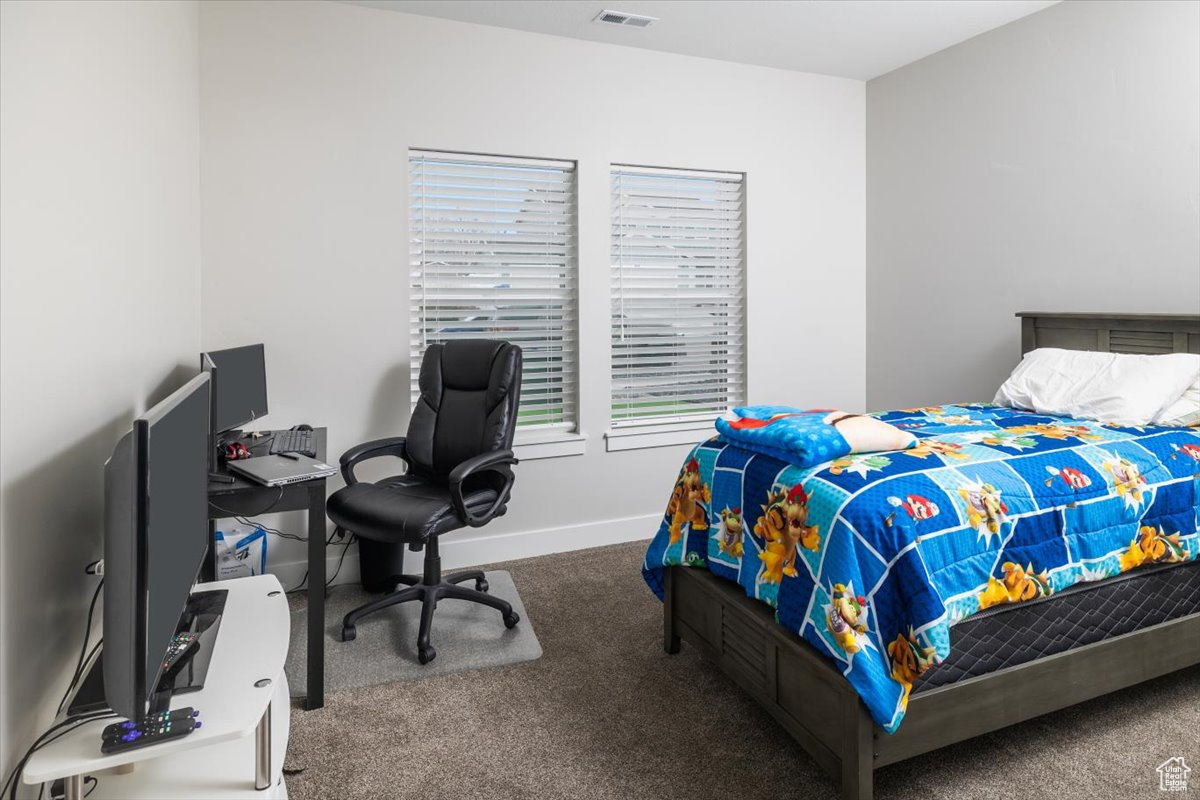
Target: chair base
pixel 428 589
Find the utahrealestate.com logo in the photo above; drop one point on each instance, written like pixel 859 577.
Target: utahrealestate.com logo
pixel 1173 775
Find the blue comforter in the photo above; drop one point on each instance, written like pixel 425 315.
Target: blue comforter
pixel 872 558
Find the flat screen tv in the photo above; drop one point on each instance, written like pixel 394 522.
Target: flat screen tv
pixel 155 539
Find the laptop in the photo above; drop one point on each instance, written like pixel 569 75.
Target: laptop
pixel 281 470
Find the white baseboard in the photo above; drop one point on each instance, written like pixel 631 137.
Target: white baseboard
pixel 481 548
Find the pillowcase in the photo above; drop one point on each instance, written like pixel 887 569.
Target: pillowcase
pixel 1184 411
pixel 1109 387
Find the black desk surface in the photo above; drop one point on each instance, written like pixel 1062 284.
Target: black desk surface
pixel 260 447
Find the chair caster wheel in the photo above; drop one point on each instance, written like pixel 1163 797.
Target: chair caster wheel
pixel 511 619
pixel 481 585
pixel 348 633
pixel 426 654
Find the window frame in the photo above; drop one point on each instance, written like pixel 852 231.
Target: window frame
pixel 561 437
pixel 626 432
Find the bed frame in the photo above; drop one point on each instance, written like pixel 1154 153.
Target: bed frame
pixel 810 698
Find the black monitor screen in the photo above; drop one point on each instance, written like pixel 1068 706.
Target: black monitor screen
pixel 177 517
pixel 155 539
pixel 240 392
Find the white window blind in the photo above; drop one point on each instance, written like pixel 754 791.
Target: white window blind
pixel 678 289
pixel 493 256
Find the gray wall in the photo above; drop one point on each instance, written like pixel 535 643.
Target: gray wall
pixel 304 162
pixel 1051 164
pixel 99 299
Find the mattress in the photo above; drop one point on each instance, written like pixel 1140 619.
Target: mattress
pixel 1007 636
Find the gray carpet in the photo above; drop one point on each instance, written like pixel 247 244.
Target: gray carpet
pixel 465 636
pixel 605 713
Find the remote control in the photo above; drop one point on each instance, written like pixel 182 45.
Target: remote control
pixel 129 735
pixel 180 646
pixel 115 730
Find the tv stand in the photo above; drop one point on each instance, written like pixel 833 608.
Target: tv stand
pixel 202 616
pixel 244 710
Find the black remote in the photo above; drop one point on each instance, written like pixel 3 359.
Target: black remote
pixel 115 730
pixel 128 735
pixel 180 646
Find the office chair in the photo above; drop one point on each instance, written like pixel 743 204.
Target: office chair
pixel 459 474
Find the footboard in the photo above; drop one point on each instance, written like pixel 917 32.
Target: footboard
pixel 804 692
pixel 811 699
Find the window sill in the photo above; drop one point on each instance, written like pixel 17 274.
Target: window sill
pixel 557 445
pixel 638 437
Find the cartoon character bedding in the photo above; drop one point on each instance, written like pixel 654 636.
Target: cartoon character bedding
pixel 873 557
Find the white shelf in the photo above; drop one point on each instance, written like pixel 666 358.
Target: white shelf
pixel 251 645
pixel 222 771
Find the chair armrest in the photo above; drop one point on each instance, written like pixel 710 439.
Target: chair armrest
pixel 496 461
pixel 392 446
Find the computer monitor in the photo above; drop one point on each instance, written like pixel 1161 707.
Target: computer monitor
pixel 239 394
pixel 207 367
pixel 155 538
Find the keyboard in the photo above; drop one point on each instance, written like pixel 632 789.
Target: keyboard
pixel 301 442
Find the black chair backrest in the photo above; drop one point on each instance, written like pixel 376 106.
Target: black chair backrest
pixel 470 390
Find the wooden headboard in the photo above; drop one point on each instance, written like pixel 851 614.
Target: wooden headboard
pixel 1111 333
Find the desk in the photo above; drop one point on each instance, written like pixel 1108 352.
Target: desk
pixel 246 498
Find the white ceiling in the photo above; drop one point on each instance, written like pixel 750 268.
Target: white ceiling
pixel 850 38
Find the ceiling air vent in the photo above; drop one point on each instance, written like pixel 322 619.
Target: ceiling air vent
pixel 622 18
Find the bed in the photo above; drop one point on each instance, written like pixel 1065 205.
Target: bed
pixel 1046 635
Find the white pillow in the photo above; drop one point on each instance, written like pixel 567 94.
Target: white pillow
pixel 1185 410
pixel 1109 387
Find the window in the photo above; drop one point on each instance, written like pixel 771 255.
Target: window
pixel 678 289
pixel 493 256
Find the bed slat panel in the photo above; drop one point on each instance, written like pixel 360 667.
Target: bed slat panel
pixel 1149 334
pixel 1148 342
